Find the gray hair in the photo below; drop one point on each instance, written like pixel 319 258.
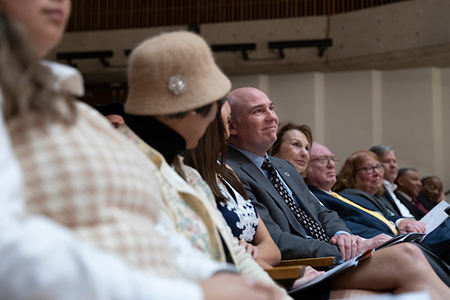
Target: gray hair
pixel 380 149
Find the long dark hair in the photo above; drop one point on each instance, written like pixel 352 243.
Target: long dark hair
pixel 209 159
pixel 26 84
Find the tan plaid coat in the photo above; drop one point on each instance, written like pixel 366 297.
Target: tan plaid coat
pixel 89 178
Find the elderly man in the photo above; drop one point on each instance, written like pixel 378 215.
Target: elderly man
pixel 362 217
pixel 359 214
pixel 409 187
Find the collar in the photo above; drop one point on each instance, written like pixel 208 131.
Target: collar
pixel 255 158
pixel 67 79
pixel 160 137
pixel 405 195
pixel 391 187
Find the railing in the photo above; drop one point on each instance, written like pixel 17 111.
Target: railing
pixel 116 14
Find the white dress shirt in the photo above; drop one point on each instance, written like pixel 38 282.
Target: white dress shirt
pixel 390 188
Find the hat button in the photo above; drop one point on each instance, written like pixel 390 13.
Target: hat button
pixel 177 84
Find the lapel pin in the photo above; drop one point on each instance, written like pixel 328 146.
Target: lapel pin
pixel 287 174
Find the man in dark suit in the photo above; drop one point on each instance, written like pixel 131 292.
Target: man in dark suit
pixel 253 127
pixel 409 186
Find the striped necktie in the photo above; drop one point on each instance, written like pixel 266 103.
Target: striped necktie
pixel 371 212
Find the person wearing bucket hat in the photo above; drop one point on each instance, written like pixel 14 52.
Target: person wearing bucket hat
pixel 175 90
pixel 75 228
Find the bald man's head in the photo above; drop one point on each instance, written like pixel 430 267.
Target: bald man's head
pixel 254 123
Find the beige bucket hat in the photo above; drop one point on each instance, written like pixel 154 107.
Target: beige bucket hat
pixel 172 73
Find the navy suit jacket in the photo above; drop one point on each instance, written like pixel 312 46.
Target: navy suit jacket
pixel 285 229
pixel 357 220
pixel 437 241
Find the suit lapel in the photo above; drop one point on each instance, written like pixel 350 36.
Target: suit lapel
pixel 255 173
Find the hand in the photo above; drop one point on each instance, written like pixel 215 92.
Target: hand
pixel 349 245
pixel 309 275
pixel 408 225
pixel 375 242
pixel 224 286
pixel 253 250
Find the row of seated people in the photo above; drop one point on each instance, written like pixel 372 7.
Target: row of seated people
pixel 357 192
pixel 117 214
pixel 293 144
pixel 409 195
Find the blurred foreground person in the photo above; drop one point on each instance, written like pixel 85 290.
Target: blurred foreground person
pixel 59 143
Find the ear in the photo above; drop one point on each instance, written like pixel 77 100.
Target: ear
pixel 400 181
pixel 232 127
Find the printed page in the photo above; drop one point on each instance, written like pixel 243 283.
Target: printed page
pixel 436 216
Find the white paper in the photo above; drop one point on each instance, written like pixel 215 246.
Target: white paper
pixel 436 216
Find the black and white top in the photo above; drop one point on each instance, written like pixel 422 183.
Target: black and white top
pixel 239 213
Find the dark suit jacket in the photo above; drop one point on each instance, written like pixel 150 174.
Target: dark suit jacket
pixel 437 241
pixel 386 197
pixel 425 202
pixel 284 227
pixel 382 206
pixel 357 220
pixel 416 212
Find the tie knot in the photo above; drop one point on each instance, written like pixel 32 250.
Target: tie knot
pixel 267 165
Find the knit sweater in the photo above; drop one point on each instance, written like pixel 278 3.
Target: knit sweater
pixel 89 178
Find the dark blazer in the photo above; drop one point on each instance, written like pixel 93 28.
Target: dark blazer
pixel 438 240
pixel 366 224
pixel 415 211
pixel 382 206
pixel 284 227
pixel 357 220
pixel 425 202
pixel 386 197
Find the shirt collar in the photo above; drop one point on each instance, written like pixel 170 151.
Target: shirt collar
pixel 255 158
pixel 389 186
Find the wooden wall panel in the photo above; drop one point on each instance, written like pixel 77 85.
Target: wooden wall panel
pixel 117 14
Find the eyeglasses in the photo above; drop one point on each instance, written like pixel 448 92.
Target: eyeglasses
pixel 324 160
pixel 371 170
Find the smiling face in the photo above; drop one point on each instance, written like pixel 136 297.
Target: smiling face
pixel 295 149
pixel 44 20
pixel 319 175
pixel 369 183
pixel 254 123
pixel 389 161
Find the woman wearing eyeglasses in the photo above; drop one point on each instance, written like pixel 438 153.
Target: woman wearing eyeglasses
pixel 362 175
